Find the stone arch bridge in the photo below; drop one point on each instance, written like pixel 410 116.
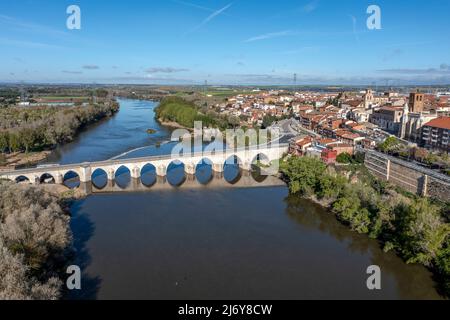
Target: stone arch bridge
pixel 217 159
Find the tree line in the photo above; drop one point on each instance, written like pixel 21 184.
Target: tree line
pixel 185 113
pixel 416 228
pixel 36 129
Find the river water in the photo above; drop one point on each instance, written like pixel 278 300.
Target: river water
pixel 247 241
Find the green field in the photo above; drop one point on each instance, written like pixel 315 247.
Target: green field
pixel 64 98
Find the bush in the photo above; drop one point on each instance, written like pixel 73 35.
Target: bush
pixel 344 158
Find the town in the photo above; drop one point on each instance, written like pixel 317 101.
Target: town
pixel 331 124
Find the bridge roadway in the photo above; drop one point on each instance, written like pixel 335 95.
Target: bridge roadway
pixel 244 156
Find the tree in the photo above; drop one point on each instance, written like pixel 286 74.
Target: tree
pixel 27 138
pixel 389 144
pixel 14 142
pixel 4 141
pixel 345 158
pixel 420 231
pixel 304 174
pixel 234 121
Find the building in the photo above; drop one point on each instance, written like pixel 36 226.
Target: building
pixel 298 146
pixel 388 119
pixel 360 115
pixel 412 123
pixel 436 134
pixel 329 156
pixel 416 102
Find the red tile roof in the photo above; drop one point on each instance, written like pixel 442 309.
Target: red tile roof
pixel 442 123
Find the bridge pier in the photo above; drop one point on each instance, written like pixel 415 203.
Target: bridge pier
pixel 190 177
pixel 85 173
pixel 161 179
pixel 111 174
pixel 135 183
pixel 35 180
pixel 59 179
pixel 161 171
pixel 190 169
pixel 110 184
pixel 218 167
pixel 136 173
pixel 86 188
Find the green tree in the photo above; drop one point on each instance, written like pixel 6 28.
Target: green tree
pixel 304 174
pixel 389 144
pixel 14 142
pixel 420 231
pixel 4 141
pixel 27 138
pixel 345 158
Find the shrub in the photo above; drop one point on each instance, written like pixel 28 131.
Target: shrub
pixel 34 240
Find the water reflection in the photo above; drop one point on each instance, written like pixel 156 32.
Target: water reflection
pixel 204 172
pixel 235 243
pixel 176 178
pixel 71 180
pixel 123 177
pixel 176 173
pixel 412 281
pixel 148 175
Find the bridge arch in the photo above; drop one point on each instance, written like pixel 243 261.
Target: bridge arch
pixel 99 178
pixel 176 174
pixel 122 177
pixel 47 178
pixel 71 179
pixel 204 171
pixel 148 175
pixel 22 179
pixel 260 165
pixel 232 169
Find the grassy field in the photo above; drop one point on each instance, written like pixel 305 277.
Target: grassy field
pixel 63 98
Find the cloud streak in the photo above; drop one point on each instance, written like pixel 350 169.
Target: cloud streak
pixel 71 72
pixel 270 35
pixel 91 67
pixel 444 69
pixel 165 70
pixel 28 44
pixel 212 16
pixel 30 27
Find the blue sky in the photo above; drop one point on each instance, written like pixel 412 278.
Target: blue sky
pixel 225 42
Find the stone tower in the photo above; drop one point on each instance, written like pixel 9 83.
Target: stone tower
pixel 416 102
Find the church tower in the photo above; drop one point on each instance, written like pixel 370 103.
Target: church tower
pixel 404 125
pixel 368 98
pixel 416 102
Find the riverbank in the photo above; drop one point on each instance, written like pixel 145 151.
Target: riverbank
pixel 414 227
pixel 18 160
pixel 35 243
pixel 31 134
pixel 173 125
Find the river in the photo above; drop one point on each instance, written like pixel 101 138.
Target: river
pixel 213 242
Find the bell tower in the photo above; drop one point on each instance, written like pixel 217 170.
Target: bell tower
pixel 416 102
